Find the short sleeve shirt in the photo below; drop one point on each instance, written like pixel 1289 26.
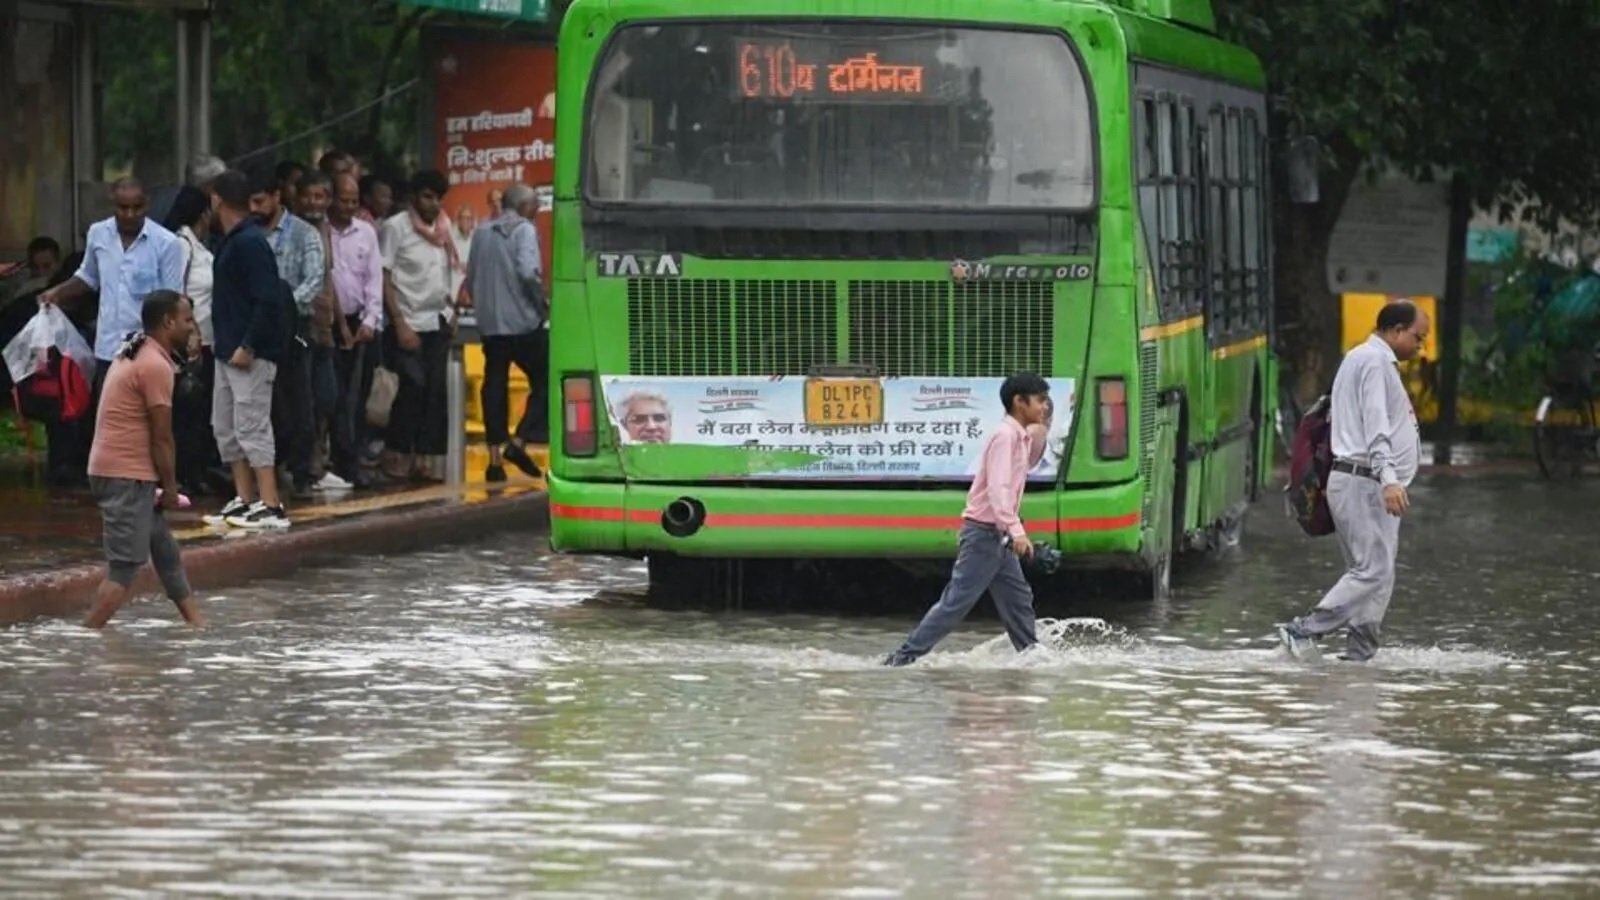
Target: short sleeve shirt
pixel 122 434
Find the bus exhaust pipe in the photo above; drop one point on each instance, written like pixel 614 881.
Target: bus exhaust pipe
pixel 683 517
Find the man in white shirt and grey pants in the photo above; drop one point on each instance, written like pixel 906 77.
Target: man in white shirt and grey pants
pixel 1375 450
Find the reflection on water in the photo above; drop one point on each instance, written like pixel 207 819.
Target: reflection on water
pixel 473 721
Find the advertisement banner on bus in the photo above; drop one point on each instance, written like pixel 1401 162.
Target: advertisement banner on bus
pixel 868 428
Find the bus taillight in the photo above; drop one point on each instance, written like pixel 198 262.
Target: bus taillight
pixel 578 437
pixel 1112 440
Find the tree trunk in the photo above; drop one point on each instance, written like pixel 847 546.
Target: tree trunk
pixel 1308 317
pixel 1451 315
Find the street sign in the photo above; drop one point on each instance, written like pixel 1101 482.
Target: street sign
pixel 1392 238
pixel 523 10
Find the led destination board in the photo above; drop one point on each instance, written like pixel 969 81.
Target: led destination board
pixel 778 71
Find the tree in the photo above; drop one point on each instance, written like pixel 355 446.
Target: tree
pixel 1491 92
pixel 280 69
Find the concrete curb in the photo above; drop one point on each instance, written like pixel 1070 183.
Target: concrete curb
pixel 214 564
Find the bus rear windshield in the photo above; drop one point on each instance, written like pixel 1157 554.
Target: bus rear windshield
pixel 764 114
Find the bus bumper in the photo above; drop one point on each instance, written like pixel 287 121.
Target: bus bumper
pixel 740 522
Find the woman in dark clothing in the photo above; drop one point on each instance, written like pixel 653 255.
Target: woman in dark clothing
pixel 190 220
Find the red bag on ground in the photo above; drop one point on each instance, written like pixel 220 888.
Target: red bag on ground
pixel 1310 462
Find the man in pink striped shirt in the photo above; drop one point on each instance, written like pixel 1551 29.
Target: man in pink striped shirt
pixel 992 541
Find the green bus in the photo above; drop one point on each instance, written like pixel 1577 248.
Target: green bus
pixel 799 244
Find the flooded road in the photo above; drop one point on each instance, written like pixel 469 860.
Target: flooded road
pixel 489 720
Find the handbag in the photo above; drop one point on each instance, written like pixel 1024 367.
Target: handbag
pixel 380 400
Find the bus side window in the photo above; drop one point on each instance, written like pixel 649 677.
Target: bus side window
pixel 1216 236
pixel 1190 262
pixel 1170 242
pixel 1150 188
pixel 1255 224
pixel 1237 294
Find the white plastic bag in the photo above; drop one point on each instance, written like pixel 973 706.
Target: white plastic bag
pixel 49 327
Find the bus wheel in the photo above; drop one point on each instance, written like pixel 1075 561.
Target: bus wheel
pixel 696 582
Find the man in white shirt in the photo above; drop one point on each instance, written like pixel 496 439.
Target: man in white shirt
pixel 419 253
pixel 1375 450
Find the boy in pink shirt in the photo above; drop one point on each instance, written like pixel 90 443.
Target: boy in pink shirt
pixel 992 541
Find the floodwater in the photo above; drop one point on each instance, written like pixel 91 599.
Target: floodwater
pixel 488 720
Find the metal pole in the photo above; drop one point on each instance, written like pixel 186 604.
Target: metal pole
pixel 455 460
pixel 202 125
pixel 86 159
pixel 184 124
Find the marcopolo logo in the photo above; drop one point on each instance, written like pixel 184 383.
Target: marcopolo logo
pixel 635 265
pixel 962 271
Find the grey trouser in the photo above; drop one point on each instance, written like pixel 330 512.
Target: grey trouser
pixel 1369 537
pixel 983 562
pixel 241 413
pixel 136 533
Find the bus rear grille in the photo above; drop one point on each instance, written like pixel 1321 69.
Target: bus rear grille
pixel 681 326
pixel 703 327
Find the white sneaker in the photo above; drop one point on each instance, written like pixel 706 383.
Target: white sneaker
pixel 261 517
pixel 332 482
pixel 234 507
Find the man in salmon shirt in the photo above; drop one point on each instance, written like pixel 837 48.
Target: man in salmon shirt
pixel 992 541
pixel 134 453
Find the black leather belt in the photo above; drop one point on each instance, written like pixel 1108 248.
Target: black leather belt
pixel 1352 468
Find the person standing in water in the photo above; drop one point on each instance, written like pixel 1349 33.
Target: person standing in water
pixel 1375 453
pixel 992 541
pixel 133 462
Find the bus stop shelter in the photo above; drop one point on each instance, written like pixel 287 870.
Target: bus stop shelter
pixel 49 115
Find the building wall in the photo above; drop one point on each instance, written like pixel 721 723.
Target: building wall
pixel 36 113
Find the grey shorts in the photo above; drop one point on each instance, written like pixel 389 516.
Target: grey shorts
pixel 241 413
pixel 136 533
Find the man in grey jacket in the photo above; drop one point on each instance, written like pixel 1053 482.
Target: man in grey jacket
pixel 1375 449
pixel 504 280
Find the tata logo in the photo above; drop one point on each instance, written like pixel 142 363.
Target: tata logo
pixel 640 265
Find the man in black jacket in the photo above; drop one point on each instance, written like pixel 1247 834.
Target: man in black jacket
pixel 248 317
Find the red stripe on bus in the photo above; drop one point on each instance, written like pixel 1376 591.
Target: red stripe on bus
pixel 603 513
pixel 1103 523
pixel 819 520
pixel 803 520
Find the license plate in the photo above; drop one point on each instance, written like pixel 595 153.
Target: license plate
pixel 843 401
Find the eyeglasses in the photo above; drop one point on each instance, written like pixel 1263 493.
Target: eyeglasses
pixel 649 419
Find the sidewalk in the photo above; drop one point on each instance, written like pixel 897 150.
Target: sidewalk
pixel 50 557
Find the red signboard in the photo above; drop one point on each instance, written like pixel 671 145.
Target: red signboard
pixel 495 126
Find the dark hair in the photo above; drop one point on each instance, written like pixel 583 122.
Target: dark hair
pixel 1022 384
pixel 1399 314
pixel 42 245
pixel 334 159
pixel 187 208
pixel 263 180
pixel 287 169
pixel 315 178
pixel 158 305
pixel 233 188
pixel 368 182
pixel 127 183
pixel 429 180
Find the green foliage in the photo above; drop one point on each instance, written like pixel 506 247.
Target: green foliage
pixel 1481 86
pixel 278 69
pixel 13 439
pixel 1545 326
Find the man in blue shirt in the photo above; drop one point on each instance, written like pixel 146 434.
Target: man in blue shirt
pixel 127 257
